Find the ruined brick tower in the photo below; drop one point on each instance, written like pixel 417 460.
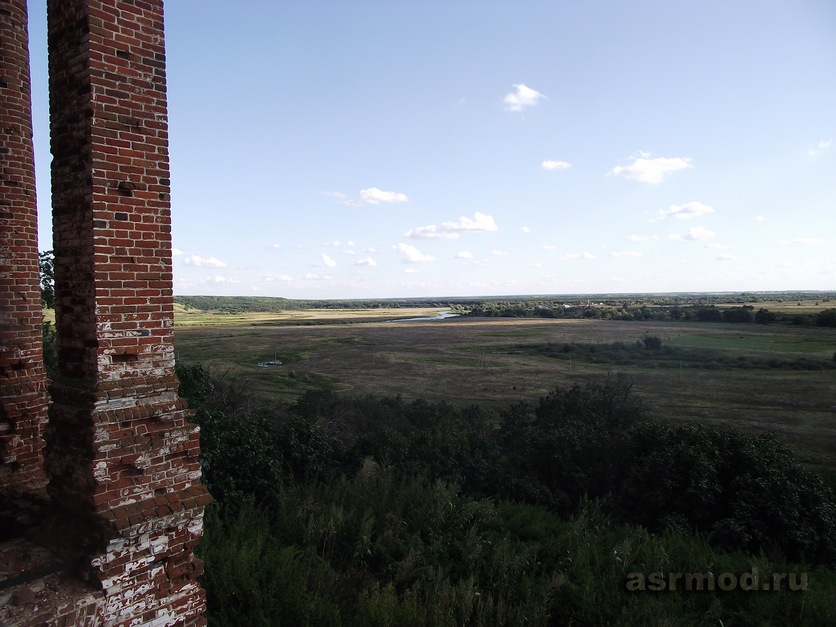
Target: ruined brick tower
pixel 23 398
pixel 125 502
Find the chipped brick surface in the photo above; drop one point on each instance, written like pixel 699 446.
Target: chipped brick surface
pixel 23 397
pixel 121 454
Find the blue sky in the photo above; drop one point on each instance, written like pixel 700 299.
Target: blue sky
pixel 363 149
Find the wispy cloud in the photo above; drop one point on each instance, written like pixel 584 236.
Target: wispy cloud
pixel 479 223
pixel 176 252
pixel 638 238
pixel 822 146
pixel 328 261
pixel 471 260
pixel 370 196
pixel 647 170
pixel 626 253
pixel 584 255
pixel 218 279
pixel 410 254
pixel 204 262
pixel 498 253
pixel 694 234
pixel 465 254
pixel 525 229
pixel 523 96
pixel 312 276
pixel 809 241
pixel 366 261
pixel 726 258
pixel 551 165
pixel 684 212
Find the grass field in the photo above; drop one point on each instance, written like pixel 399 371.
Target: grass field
pixel 489 362
pixel 196 317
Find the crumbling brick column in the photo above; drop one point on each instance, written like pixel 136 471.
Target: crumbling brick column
pixel 121 455
pixel 23 397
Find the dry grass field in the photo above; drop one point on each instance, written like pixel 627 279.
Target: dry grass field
pixel 490 362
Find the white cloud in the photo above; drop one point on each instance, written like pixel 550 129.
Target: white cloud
pixel 431 231
pixel 522 96
pixel 334 243
pixel 647 170
pixel 370 196
pixel 549 247
pixel 218 279
pixel 312 276
pixel 498 253
pixel 276 246
pixel 809 241
pixel 176 252
pixel 578 256
pixel 349 252
pixel 411 271
pixel 626 253
pixel 638 238
pixel 820 147
pixel 281 277
pixel 328 261
pixel 549 164
pixel 410 254
pixel 694 234
pixel 374 196
pixel 760 218
pixel 683 212
pixel 366 261
pixel 726 258
pixel 525 229
pixel 201 262
pixel 464 255
pixel 479 223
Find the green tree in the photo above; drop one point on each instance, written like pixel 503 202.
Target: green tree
pixel 826 318
pixel 764 316
pixel 652 342
pixel 46 264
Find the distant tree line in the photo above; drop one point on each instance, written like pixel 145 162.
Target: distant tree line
pixel 243 304
pixel 625 311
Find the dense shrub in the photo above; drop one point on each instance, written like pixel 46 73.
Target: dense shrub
pixel 826 318
pixel 652 342
pixel 365 511
pixel 746 492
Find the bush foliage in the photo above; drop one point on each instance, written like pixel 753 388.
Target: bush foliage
pixel 382 511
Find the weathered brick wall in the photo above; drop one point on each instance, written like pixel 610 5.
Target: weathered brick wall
pixel 126 503
pixel 23 398
pixel 121 454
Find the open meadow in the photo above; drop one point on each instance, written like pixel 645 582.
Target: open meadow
pixel 752 377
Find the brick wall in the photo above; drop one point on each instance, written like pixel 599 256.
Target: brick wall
pixel 126 503
pixel 23 398
pixel 121 454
